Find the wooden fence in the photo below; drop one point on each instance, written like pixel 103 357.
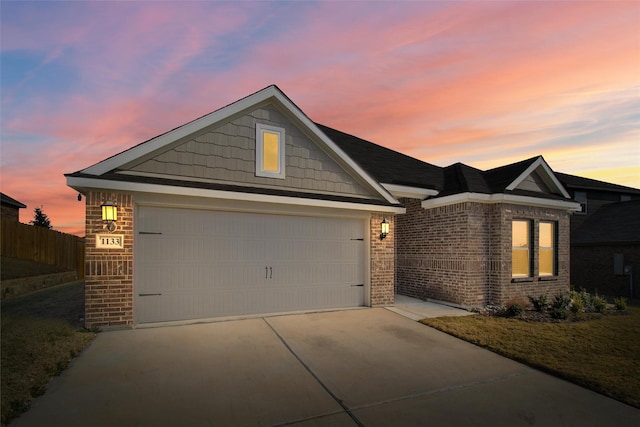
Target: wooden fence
pixel 42 245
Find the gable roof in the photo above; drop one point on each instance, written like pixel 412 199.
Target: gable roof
pixel 270 94
pixel 581 183
pixel 613 223
pixel 9 201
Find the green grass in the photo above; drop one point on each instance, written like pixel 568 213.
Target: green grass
pixel 40 335
pixel 602 353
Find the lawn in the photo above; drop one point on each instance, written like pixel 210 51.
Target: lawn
pixel 601 353
pixel 41 333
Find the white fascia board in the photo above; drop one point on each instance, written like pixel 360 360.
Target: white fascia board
pixel 398 191
pixel 550 175
pixel 500 198
pixel 82 183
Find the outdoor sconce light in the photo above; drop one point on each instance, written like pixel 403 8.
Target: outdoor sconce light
pixel 110 215
pixel 384 229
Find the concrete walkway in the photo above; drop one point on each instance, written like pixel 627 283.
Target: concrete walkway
pixel 416 309
pixel 365 367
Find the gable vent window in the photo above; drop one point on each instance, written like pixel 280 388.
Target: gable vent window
pixel 270 143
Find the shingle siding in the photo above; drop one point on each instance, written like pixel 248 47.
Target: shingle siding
pixel 226 153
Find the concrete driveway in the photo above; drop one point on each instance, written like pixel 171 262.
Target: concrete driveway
pixel 367 367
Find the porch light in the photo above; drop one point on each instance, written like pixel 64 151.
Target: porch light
pixel 110 215
pixel 384 229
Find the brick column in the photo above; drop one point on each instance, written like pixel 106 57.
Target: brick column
pixel 382 261
pixel 109 272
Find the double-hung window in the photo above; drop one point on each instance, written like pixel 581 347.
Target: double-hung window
pixel 547 249
pixel 521 248
pixel 270 143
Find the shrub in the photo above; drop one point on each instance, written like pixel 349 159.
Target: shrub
pixel 560 307
pixel 540 303
pixel 515 307
pixel 620 303
pixel 514 310
pixel 577 305
pixel 599 304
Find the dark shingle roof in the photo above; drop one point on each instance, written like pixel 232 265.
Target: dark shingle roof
pixel 9 201
pixel 460 178
pixel 614 223
pixel 580 183
pixel 385 165
pixel 388 166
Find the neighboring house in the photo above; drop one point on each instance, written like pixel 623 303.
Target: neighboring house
pixel 10 208
pixel 592 194
pixel 605 250
pixel 255 208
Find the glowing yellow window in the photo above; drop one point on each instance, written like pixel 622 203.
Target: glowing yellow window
pixel 270 157
pixel 547 249
pixel 270 154
pixel 520 249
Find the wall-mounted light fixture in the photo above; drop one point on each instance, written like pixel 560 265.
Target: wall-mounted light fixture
pixel 110 215
pixel 384 228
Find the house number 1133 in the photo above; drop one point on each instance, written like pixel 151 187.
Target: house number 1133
pixel 110 241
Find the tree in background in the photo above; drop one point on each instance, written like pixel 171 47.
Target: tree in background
pixel 40 219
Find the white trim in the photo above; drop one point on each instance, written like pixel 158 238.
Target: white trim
pixel 500 198
pixel 243 104
pixel 411 192
pixel 82 183
pixel 260 170
pixel 540 162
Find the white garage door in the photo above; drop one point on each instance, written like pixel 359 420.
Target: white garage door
pixel 192 264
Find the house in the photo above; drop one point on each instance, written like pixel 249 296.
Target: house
pixel 254 208
pixel 10 208
pixel 605 250
pixel 592 194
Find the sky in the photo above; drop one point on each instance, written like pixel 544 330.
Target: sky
pixel 485 83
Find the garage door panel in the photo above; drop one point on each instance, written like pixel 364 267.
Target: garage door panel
pixel 199 264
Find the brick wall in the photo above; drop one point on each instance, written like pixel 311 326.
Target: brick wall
pixel 109 272
pixel 382 261
pixel 461 253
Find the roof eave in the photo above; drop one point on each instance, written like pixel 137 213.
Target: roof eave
pixel 500 198
pixel 83 184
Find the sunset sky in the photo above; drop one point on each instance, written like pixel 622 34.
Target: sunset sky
pixel 482 83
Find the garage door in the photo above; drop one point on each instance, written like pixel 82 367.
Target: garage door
pixel 192 264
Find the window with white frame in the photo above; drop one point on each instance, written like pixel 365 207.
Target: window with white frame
pixel 521 248
pixel 270 156
pixel 547 254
